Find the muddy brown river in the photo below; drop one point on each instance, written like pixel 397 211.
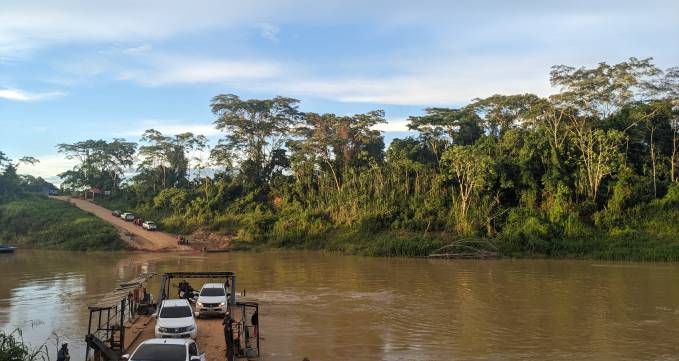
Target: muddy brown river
pixel 334 307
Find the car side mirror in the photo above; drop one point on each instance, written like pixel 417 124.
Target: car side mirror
pixel 126 356
pixel 196 314
pixel 195 358
pixel 155 315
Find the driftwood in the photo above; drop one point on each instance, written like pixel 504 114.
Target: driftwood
pixel 468 248
pixel 216 250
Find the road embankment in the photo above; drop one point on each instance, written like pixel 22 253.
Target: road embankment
pixel 136 237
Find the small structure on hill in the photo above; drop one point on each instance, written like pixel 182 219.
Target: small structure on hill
pixel 93 192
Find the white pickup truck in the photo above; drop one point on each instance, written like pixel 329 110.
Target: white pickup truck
pixel 166 349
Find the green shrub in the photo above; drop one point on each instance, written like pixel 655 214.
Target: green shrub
pixel 173 200
pixel 671 199
pixel 225 223
pixel 13 348
pixel 527 230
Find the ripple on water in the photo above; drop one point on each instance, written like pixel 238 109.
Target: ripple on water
pixel 394 309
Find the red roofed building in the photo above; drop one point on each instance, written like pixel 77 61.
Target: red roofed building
pixel 93 191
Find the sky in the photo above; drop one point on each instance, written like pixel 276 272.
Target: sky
pixel 72 70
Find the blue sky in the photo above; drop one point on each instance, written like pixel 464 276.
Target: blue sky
pixel 73 70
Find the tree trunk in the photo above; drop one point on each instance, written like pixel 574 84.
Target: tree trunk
pixel 673 159
pixel 655 187
pixel 334 175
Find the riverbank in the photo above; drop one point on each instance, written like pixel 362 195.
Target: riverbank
pixel 647 232
pixel 36 221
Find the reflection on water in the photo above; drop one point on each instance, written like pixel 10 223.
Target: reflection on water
pixel 331 307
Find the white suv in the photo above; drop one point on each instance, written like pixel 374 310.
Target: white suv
pixel 175 319
pixel 149 226
pixel 166 350
pixel 212 299
pixel 127 216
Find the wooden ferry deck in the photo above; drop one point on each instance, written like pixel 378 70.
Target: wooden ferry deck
pixel 210 338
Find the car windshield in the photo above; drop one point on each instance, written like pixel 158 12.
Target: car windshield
pixel 160 352
pixel 212 292
pixel 175 312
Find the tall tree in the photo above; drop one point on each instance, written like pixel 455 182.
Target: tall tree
pixel 100 163
pixel 599 92
pixel 339 143
pixel 166 159
pixel 443 127
pixel 596 94
pixel 255 130
pixel 503 112
pixel 600 156
pixel 469 167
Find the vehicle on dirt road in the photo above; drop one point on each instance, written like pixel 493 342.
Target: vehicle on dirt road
pixel 138 221
pixel 149 226
pixel 116 213
pixel 166 350
pixel 129 217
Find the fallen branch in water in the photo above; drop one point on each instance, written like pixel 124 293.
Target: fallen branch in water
pixel 468 248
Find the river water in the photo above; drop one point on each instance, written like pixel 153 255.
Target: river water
pixel 334 307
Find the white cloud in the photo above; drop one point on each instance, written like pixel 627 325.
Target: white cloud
pixel 49 166
pixel 393 125
pixel 425 82
pixel 181 70
pixel 268 31
pixel 24 96
pixel 137 49
pixel 515 43
pixel 172 127
pixel 428 82
pixel 32 24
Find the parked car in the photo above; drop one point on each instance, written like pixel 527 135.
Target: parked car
pixel 175 319
pixel 116 213
pixel 149 226
pixel 166 350
pixel 129 217
pixel 212 299
pixel 138 221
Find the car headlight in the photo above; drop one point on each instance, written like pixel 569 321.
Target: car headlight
pixel 162 329
pixel 190 328
pixel 221 304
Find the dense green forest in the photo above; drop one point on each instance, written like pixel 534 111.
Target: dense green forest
pixel 589 171
pixel 28 218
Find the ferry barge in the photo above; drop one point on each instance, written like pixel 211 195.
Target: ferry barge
pixel 124 321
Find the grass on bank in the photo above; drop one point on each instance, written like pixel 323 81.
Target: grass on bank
pixel 36 221
pixel 645 233
pixel 648 232
pixel 13 348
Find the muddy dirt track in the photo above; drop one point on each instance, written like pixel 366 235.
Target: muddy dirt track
pixel 142 239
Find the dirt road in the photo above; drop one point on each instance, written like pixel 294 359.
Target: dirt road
pixel 142 239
